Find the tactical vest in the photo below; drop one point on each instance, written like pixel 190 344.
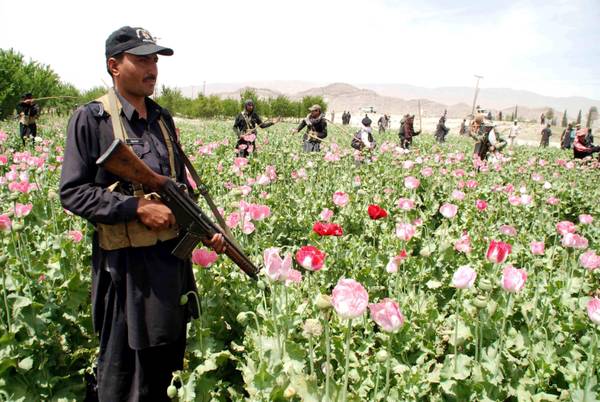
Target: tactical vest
pixel 132 233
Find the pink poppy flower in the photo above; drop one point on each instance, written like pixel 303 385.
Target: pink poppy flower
pixel 22 210
pixel 589 260
pixel 326 214
pixel 458 195
pixel 464 277
pixel 574 240
pixel 537 247
pixel 405 231
pixel 5 222
pixel 3 160
pixel 508 230
pixel 471 184
pixel 276 268
pixel 75 235
pixel 448 210
pixel 247 226
pixel 552 201
pixel 498 252
pixel 203 257
pixel 233 220
pixel 514 200
pixel 593 310
pixel 263 180
pixel 405 204
pixel 481 205
pixel 294 276
pixel 310 257
pixel 585 219
pixel 387 315
pixel 349 299
pixel 565 227
pixel 426 171
pixel 411 183
pixel 513 279
pixel 463 244
pixel 259 212
pixel 240 162
pixel 341 199
pixel 392 265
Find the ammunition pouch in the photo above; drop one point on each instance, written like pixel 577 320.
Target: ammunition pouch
pixel 132 233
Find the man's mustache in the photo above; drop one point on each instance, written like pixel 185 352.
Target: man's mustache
pixel 150 77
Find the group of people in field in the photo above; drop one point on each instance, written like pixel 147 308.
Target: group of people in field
pixel 138 283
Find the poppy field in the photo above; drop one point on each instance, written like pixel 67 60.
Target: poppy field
pixel 404 276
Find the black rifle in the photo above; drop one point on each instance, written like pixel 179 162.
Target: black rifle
pixel 196 227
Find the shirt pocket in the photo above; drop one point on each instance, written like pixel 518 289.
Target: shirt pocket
pixel 141 149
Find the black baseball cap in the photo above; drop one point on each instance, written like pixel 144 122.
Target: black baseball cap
pixel 136 41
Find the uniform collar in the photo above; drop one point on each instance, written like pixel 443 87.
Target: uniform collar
pixel 153 109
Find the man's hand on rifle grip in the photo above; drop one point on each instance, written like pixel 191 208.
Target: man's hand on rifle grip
pixel 154 214
pixel 217 243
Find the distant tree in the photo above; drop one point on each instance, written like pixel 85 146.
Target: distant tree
pixel 230 107
pixel 549 114
pixel 308 101
pixel 579 117
pixel 282 106
pixel 91 94
pixel 18 76
pixel 592 116
pixel 172 99
pixel 248 93
pixel 516 114
pixel 564 121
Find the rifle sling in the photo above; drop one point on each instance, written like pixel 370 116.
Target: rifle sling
pixel 203 190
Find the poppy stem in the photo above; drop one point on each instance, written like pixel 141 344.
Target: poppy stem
pixel 347 364
pixel 506 313
pixel 327 357
pixel 388 366
pixel 457 313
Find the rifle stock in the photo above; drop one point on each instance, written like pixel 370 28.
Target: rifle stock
pixel 196 227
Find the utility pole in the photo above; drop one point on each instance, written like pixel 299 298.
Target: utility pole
pixel 476 93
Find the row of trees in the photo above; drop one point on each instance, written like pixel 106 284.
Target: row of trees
pixel 18 76
pixel 592 116
pixel 213 106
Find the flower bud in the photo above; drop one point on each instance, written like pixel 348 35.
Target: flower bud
pixel 485 284
pixel 312 328
pixel 183 300
pixel 381 356
pixel 171 391
pixel 52 195
pixel 323 301
pixel 480 301
pixel 17 227
pixel 242 317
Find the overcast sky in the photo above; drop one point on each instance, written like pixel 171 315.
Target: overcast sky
pixel 551 47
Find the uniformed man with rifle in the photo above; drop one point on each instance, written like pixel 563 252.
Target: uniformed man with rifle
pixel 27 113
pixel 246 126
pixel 316 129
pixel 146 223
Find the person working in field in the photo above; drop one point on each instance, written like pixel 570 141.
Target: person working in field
pixel 441 129
pixel 582 147
pixel 136 282
pixel 487 139
pixel 514 132
pixel 316 129
pixel 363 140
pixel 546 134
pixel 245 127
pixel 407 131
pixel 27 112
